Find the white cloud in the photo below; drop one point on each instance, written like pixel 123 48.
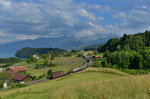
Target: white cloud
pixel 84 13
pixel 30 20
pixel 137 19
pixel 120 15
pixel 100 18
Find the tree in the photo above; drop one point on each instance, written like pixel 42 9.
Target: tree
pixel 111 45
pixel 3 78
pixel 49 73
pixel 79 55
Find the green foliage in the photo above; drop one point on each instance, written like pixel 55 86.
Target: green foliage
pixel 128 59
pixel 52 57
pixel 31 59
pixel 49 73
pixel 34 77
pixel 127 42
pixel 111 45
pixel 79 55
pixel 3 78
pixel 52 65
pixel 96 64
pixel 9 61
pixel 130 52
pixel 135 71
pixel 26 52
pixel 19 85
pixel 40 77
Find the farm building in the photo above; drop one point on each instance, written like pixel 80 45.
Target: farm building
pixel 18 77
pixel 17 69
pixel 97 57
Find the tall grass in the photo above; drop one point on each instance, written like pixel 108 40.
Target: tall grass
pixel 46 90
pixel 132 87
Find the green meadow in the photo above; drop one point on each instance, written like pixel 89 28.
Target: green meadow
pixel 75 86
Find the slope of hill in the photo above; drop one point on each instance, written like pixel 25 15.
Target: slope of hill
pixel 128 52
pixel 132 42
pixel 86 85
pixel 51 88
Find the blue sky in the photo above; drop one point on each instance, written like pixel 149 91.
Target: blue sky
pixel 79 19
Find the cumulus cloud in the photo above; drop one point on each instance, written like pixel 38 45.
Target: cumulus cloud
pixel 84 13
pixel 30 19
pixel 138 19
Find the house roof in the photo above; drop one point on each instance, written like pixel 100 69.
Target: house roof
pixel 18 68
pixel 18 76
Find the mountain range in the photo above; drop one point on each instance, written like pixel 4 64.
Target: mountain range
pixel 63 42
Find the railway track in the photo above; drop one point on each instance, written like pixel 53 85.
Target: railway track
pixel 68 73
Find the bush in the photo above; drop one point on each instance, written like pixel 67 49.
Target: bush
pixel 49 73
pixel 40 77
pixel 52 65
pixel 79 55
pixel 134 71
pixel 34 77
pixel 96 64
pixel 19 85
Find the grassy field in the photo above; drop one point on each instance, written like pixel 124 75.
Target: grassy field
pixel 92 83
pixel 87 52
pixel 63 64
pixel 49 89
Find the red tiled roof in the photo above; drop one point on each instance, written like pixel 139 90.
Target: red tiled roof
pixel 18 76
pixel 18 68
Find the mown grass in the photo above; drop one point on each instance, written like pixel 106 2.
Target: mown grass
pixel 47 90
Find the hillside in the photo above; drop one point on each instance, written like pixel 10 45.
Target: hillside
pixel 27 51
pixel 128 52
pixel 93 83
pixel 132 42
pixel 50 89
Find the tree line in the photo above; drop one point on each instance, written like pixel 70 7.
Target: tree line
pixel 128 52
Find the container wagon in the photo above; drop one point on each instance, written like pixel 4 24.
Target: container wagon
pixel 57 74
pixel 82 67
pixel 75 69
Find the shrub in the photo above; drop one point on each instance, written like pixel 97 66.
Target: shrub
pixel 97 64
pixel 79 55
pixel 49 73
pixel 40 77
pixel 19 85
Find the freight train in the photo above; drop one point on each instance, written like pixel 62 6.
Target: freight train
pixel 73 70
